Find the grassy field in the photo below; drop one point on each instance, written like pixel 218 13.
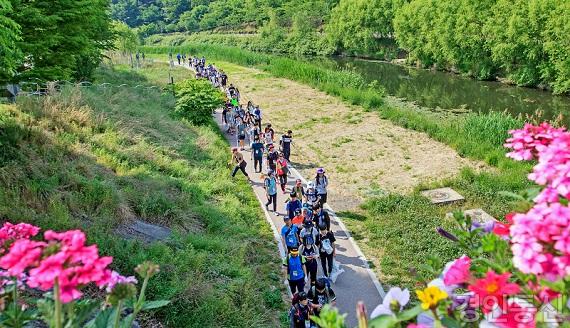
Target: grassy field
pixel 97 158
pixel 397 231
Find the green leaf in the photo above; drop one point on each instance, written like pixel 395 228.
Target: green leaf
pixel 450 323
pixel 410 313
pixel 383 321
pixel 154 304
pixel 104 319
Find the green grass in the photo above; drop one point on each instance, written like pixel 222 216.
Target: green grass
pixel 400 229
pixel 94 158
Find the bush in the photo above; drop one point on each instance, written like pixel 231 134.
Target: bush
pixel 196 99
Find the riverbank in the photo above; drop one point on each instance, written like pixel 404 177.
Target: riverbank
pixel 103 158
pixel 395 230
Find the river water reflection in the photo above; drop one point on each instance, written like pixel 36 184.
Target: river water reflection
pixel 434 89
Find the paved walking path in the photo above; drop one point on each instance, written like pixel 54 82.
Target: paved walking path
pixel 358 282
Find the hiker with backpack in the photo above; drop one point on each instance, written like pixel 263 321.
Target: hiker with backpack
pixel 285 144
pixel 321 184
pixel 272 157
pixel 298 189
pixel 311 196
pixel 298 219
pixel 309 235
pixel 321 216
pixel 290 234
pixel 282 171
pixel 325 242
pixel 257 150
pixel 240 163
pixel 292 205
pixel 299 314
pixel 295 271
pixel 270 186
pixel 321 294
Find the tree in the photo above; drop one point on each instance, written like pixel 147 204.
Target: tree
pixel 61 39
pixel 10 54
pixel 557 47
pixel 358 24
pixel 126 39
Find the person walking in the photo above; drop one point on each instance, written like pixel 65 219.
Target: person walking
pixel 269 135
pixel 311 196
pixel 240 163
pixel 295 271
pixel 270 185
pixel 290 234
pixel 272 157
pixel 179 57
pixel 321 184
pixel 298 189
pixel 300 312
pixel 257 150
pixel 326 245
pixel 292 205
pixel 310 252
pixel 321 294
pixel 321 216
pixel 285 144
pixel 282 171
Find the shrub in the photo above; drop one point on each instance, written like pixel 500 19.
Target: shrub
pixel 196 99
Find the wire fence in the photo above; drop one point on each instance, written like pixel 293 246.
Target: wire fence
pixel 30 88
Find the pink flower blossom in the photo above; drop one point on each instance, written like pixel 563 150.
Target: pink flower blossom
pixel 117 279
pixel 11 231
pixel 458 272
pixel 531 140
pixel 22 254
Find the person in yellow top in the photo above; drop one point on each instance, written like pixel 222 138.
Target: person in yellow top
pixel 239 162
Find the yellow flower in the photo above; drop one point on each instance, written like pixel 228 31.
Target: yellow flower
pixel 431 296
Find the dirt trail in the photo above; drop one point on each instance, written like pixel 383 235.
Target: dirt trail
pixel 362 153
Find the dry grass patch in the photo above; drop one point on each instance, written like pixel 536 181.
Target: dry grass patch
pixel 361 152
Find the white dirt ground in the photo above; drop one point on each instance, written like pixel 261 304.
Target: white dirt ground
pixel 362 153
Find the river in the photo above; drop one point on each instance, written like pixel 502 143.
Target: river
pixel 433 89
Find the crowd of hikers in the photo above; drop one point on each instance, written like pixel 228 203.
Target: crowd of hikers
pixel 306 233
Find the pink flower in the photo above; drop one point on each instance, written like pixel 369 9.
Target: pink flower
pixel 490 291
pixel 531 140
pixel 458 273
pixel 413 325
pixel 50 268
pixel 22 254
pixel 117 279
pixel 11 231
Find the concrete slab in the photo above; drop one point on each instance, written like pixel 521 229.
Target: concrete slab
pixel 476 214
pixel 442 195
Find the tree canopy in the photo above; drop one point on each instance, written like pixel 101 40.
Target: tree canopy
pixel 53 40
pixel 524 40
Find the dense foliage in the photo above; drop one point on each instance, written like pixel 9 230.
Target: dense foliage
pixel 196 99
pixel 55 40
pixel 525 42
pixel 521 40
pixel 9 35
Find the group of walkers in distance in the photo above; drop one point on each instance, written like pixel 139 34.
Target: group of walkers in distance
pixel 307 233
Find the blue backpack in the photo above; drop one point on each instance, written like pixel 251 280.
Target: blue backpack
pixel 295 267
pixel 291 237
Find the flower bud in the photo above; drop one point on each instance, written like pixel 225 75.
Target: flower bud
pixel 147 269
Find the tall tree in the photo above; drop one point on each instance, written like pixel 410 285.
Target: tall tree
pixel 62 39
pixel 10 54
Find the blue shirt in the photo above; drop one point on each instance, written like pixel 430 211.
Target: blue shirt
pixel 292 233
pixel 271 186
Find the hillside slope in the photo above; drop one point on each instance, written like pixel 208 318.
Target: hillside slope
pixel 98 158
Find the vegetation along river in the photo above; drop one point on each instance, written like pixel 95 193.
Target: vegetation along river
pixel 434 89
